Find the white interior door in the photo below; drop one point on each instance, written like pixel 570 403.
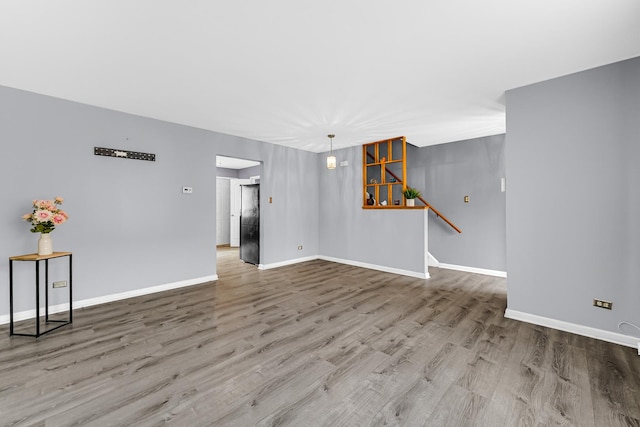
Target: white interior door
pixel 234 200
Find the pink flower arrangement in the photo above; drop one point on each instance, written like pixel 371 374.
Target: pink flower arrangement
pixel 46 215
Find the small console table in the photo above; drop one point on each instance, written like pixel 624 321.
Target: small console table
pixel 37 259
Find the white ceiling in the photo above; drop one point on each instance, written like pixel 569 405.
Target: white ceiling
pixel 290 72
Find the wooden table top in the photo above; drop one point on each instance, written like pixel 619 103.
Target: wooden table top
pixel 36 257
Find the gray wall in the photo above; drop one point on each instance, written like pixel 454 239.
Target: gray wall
pixel 446 173
pixel 388 238
pixel 227 173
pixel 573 205
pixel 130 226
pixel 247 173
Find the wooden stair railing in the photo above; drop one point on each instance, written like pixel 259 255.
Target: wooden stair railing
pixel 427 204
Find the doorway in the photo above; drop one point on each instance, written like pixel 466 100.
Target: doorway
pixel 231 174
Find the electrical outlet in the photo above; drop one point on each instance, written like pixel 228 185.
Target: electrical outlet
pixel 187 190
pixel 603 304
pixel 300 247
pixel 60 284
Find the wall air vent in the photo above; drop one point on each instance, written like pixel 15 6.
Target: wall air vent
pixel 123 154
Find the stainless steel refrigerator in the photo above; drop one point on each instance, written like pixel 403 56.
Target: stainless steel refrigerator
pixel 250 223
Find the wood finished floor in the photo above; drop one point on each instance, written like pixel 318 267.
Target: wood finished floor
pixel 316 344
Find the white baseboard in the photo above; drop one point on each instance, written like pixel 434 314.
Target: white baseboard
pixel 345 261
pixel 30 314
pixel 409 273
pixel 587 331
pixel 285 263
pixel 484 271
pixel 432 261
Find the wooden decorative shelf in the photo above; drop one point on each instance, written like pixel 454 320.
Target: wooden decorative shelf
pixel 384 163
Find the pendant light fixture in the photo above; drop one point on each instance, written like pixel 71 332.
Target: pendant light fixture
pixel 331 160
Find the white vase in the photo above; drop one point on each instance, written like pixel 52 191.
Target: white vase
pixel 411 202
pixel 45 244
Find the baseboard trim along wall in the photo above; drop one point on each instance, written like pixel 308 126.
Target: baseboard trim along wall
pixel 432 261
pixel 484 271
pixel 587 331
pixel 30 314
pixel 348 262
pixel 409 273
pixel 285 263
